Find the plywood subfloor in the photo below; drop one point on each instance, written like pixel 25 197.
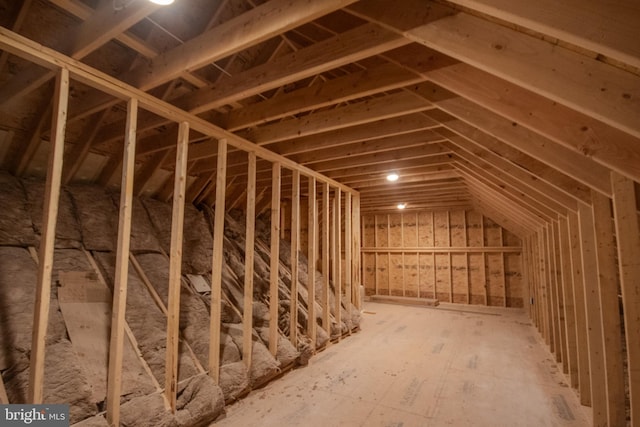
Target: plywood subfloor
pixel 415 366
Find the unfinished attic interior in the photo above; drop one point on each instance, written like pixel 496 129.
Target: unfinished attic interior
pixel 198 223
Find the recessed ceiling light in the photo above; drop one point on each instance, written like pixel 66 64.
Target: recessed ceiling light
pixel 392 177
pixel 162 2
pixel 402 205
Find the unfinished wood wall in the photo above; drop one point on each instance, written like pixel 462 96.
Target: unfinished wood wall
pixel 582 273
pixel 455 256
pixel 341 250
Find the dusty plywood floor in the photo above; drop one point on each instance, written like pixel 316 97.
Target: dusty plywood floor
pixel 412 366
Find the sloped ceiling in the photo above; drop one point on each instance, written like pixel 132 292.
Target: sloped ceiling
pixel 519 109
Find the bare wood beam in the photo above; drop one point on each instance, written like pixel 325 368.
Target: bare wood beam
pixel 337 258
pixel 312 240
pixel 628 237
pixel 175 264
pixel 523 199
pixel 25 48
pixel 606 30
pixel 348 253
pixel 236 87
pixel 325 259
pixel 581 168
pixel 484 143
pixel 295 250
pixel 321 94
pixel 352 134
pixel 390 157
pixel 378 108
pixel 522 176
pixel 564 251
pixel 274 264
pixel 45 254
pixel 382 169
pixel 357 244
pixel 583 134
pixel 421 176
pixel 217 262
pixel 582 344
pixel 578 86
pixel 98 29
pixel 247 318
pixel 609 308
pixel 250 28
pixel 509 177
pixel 592 309
pixel 118 322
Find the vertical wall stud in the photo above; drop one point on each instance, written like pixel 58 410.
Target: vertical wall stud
pixel 483 265
pixel 418 253
pixel 326 324
pixel 450 257
pixel 559 294
pixel 45 255
pixel 609 305
pixel 569 304
pixel 466 257
pixel 175 265
pixel 544 288
pixel 503 275
pixel 295 250
pixel 348 246
pixel 582 346
pixel 217 262
pixel 375 256
pixel 592 309
pixel 357 268
pixel 247 318
pixel 311 261
pixel 274 263
pixel 337 257
pixel 553 303
pixel 116 345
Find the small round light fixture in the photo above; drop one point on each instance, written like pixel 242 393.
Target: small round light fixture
pixel 392 177
pixel 162 2
pixel 402 206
